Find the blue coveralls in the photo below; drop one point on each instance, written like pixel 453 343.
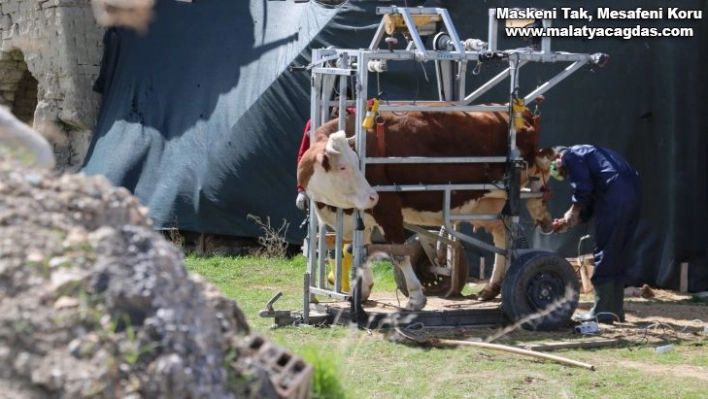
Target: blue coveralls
pixel 606 186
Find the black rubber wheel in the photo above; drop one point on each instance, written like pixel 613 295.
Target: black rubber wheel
pixel 433 285
pixel 535 281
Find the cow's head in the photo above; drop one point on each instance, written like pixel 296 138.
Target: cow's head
pixel 539 174
pixel 330 173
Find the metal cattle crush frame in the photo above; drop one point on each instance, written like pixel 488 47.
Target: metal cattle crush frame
pixel 451 56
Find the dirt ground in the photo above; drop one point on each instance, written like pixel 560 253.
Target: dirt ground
pixel 659 317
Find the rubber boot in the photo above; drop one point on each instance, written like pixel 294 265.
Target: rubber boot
pixel 604 309
pixel 619 300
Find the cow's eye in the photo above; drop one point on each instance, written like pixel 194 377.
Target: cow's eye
pixel 342 168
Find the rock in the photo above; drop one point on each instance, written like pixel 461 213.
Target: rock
pixel 66 302
pixel 95 303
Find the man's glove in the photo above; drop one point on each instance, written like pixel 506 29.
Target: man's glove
pixel 569 220
pixel 301 201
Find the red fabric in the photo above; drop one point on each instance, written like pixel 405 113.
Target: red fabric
pixel 304 145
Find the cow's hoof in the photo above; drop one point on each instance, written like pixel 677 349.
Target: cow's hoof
pixel 416 302
pixel 367 283
pixel 489 292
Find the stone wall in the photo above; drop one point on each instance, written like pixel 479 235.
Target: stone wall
pixel 49 58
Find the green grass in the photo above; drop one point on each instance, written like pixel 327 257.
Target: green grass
pixel 353 363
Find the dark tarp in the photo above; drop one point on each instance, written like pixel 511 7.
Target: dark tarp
pixel 201 118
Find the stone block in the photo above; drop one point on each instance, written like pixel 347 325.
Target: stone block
pixel 25 7
pixel 10 7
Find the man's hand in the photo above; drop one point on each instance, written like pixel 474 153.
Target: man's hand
pixel 301 201
pixel 568 221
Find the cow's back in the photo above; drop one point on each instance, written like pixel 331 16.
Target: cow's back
pixel 441 134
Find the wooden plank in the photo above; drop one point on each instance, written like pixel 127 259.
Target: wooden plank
pixel 683 285
pixel 584 344
pixel 584 266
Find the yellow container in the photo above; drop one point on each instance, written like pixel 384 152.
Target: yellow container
pixel 346 269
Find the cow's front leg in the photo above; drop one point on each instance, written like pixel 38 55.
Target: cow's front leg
pixel 389 217
pixel 416 298
pixel 493 287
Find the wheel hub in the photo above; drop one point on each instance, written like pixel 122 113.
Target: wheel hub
pixel 544 288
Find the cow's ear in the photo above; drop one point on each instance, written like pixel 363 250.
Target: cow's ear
pixel 323 160
pixel 545 152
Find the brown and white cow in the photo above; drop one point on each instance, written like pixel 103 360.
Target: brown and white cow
pixel 329 172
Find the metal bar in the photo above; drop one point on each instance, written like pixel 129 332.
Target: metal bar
pixel 413 31
pixel 315 94
pixel 327 87
pixel 312 243
pixel 358 255
pixel 546 41
pixel 339 242
pixel 358 251
pixel 513 86
pixel 306 299
pixel 376 41
pixel 451 30
pixel 312 246
pixel 490 84
pixel 333 71
pixel 419 160
pixel 321 256
pixel 461 76
pixel 433 236
pixel 326 55
pixel 463 237
pixel 343 96
pixel 523 54
pixel 362 87
pixel 443 107
pixel 436 187
pixel 554 81
pixel 331 294
pixel 432 11
pixel 493 27
pixel 552 57
pixel 444 77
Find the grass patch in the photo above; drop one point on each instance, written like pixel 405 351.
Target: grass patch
pixel 326 372
pixel 355 363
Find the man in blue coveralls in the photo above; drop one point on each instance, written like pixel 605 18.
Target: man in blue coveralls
pixel 607 187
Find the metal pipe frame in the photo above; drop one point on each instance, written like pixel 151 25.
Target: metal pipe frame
pixel 426 160
pixel 463 237
pixel 436 187
pixel 513 88
pixel 493 29
pixel 405 106
pixel 524 54
pixel 322 83
pixel 323 79
pixel 490 84
pixel 419 54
